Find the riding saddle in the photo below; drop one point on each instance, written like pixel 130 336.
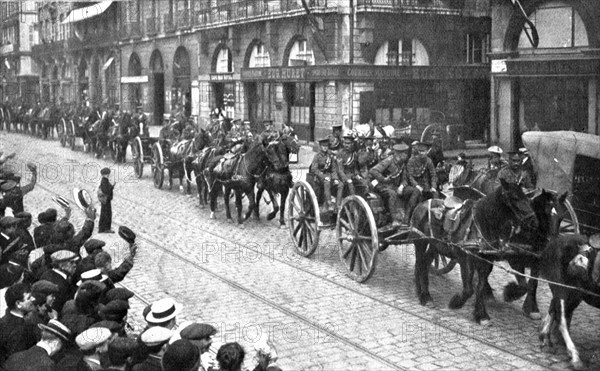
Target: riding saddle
pixel 452 219
pixel 181 149
pixel 227 165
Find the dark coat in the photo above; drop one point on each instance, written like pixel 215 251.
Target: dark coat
pixel 151 363
pixel 43 234
pixel 16 335
pixel 32 359
pixel 66 288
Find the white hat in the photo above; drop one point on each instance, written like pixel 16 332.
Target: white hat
pixel 92 275
pixel 495 149
pixel 156 336
pixel 163 310
pixel 61 201
pixel 82 198
pixel 92 337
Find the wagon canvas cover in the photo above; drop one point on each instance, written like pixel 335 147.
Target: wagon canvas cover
pixel 554 152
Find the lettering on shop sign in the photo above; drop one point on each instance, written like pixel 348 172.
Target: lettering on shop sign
pixel 221 77
pixel 554 67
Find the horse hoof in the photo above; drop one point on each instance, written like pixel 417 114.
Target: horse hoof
pixel 535 316
pixel 282 226
pixel 270 217
pixel 485 323
pixel 212 215
pixel 578 365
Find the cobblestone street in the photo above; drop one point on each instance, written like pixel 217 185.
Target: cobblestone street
pixel 249 281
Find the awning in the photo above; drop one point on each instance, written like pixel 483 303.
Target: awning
pixel 108 63
pixel 87 12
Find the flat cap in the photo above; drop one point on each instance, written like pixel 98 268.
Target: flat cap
pixel 337 125
pixel 63 226
pixel 45 287
pixel 105 171
pixel 122 348
pixel 156 336
pixel 197 331
pixel 323 140
pixel 48 216
pixel 8 221
pixel 118 293
pixel 126 234
pixel 115 310
pixel 23 215
pixel 181 355
pixel 63 256
pixel 92 337
pixel 7 185
pixel 93 244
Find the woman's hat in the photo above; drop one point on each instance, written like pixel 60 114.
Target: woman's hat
pixel 82 198
pixel 163 311
pixel 127 234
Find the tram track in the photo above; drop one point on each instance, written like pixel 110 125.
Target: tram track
pixel 185 223
pixel 288 312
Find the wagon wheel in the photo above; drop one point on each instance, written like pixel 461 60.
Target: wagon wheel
pixel 303 218
pixel 137 151
pixel 570 224
pixel 429 129
pixel 72 136
pixel 358 241
pixel 158 166
pixel 442 265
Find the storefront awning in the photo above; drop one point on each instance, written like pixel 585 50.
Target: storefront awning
pixel 364 73
pixel 108 63
pixel 87 12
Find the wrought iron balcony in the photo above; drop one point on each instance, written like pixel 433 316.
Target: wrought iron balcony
pixel 251 10
pixel 452 7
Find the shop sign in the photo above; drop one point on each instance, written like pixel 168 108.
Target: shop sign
pixel 568 67
pixel 369 73
pixel 221 77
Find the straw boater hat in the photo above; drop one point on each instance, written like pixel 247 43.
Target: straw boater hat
pixel 82 198
pixel 56 328
pixel 92 275
pixel 61 201
pixel 163 311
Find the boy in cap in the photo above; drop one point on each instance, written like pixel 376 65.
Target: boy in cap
pixel 42 234
pixel 44 293
pixel 323 173
pixel 93 343
pixel 64 263
pixel 105 222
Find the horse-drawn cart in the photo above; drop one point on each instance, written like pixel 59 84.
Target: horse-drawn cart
pixel 362 226
pixel 567 161
pixel 142 147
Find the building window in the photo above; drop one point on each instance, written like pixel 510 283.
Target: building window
pixel 558 25
pixel 477 48
pixel 301 54
pixel 402 52
pixel 224 61
pixel 259 57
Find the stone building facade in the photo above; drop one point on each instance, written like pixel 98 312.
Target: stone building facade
pixel 551 87
pixel 309 63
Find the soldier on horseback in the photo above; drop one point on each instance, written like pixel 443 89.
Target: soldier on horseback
pixel 389 179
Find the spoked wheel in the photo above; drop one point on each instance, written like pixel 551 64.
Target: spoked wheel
pixel 358 241
pixel 303 218
pixel 570 224
pixel 442 265
pixel 137 152
pixel 72 136
pixel 158 166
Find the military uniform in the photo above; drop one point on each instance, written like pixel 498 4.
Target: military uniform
pixel 367 158
pixel 422 176
pixel 323 173
pixel 348 170
pixel 516 176
pixel 390 180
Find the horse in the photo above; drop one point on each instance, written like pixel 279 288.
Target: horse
pixel 240 175
pixel 119 134
pixel 277 178
pixel 559 251
pixel 479 228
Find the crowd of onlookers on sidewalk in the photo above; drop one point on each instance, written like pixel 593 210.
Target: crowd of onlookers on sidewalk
pixel 61 310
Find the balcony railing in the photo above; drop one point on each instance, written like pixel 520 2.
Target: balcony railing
pixel 458 7
pixel 151 26
pixel 249 9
